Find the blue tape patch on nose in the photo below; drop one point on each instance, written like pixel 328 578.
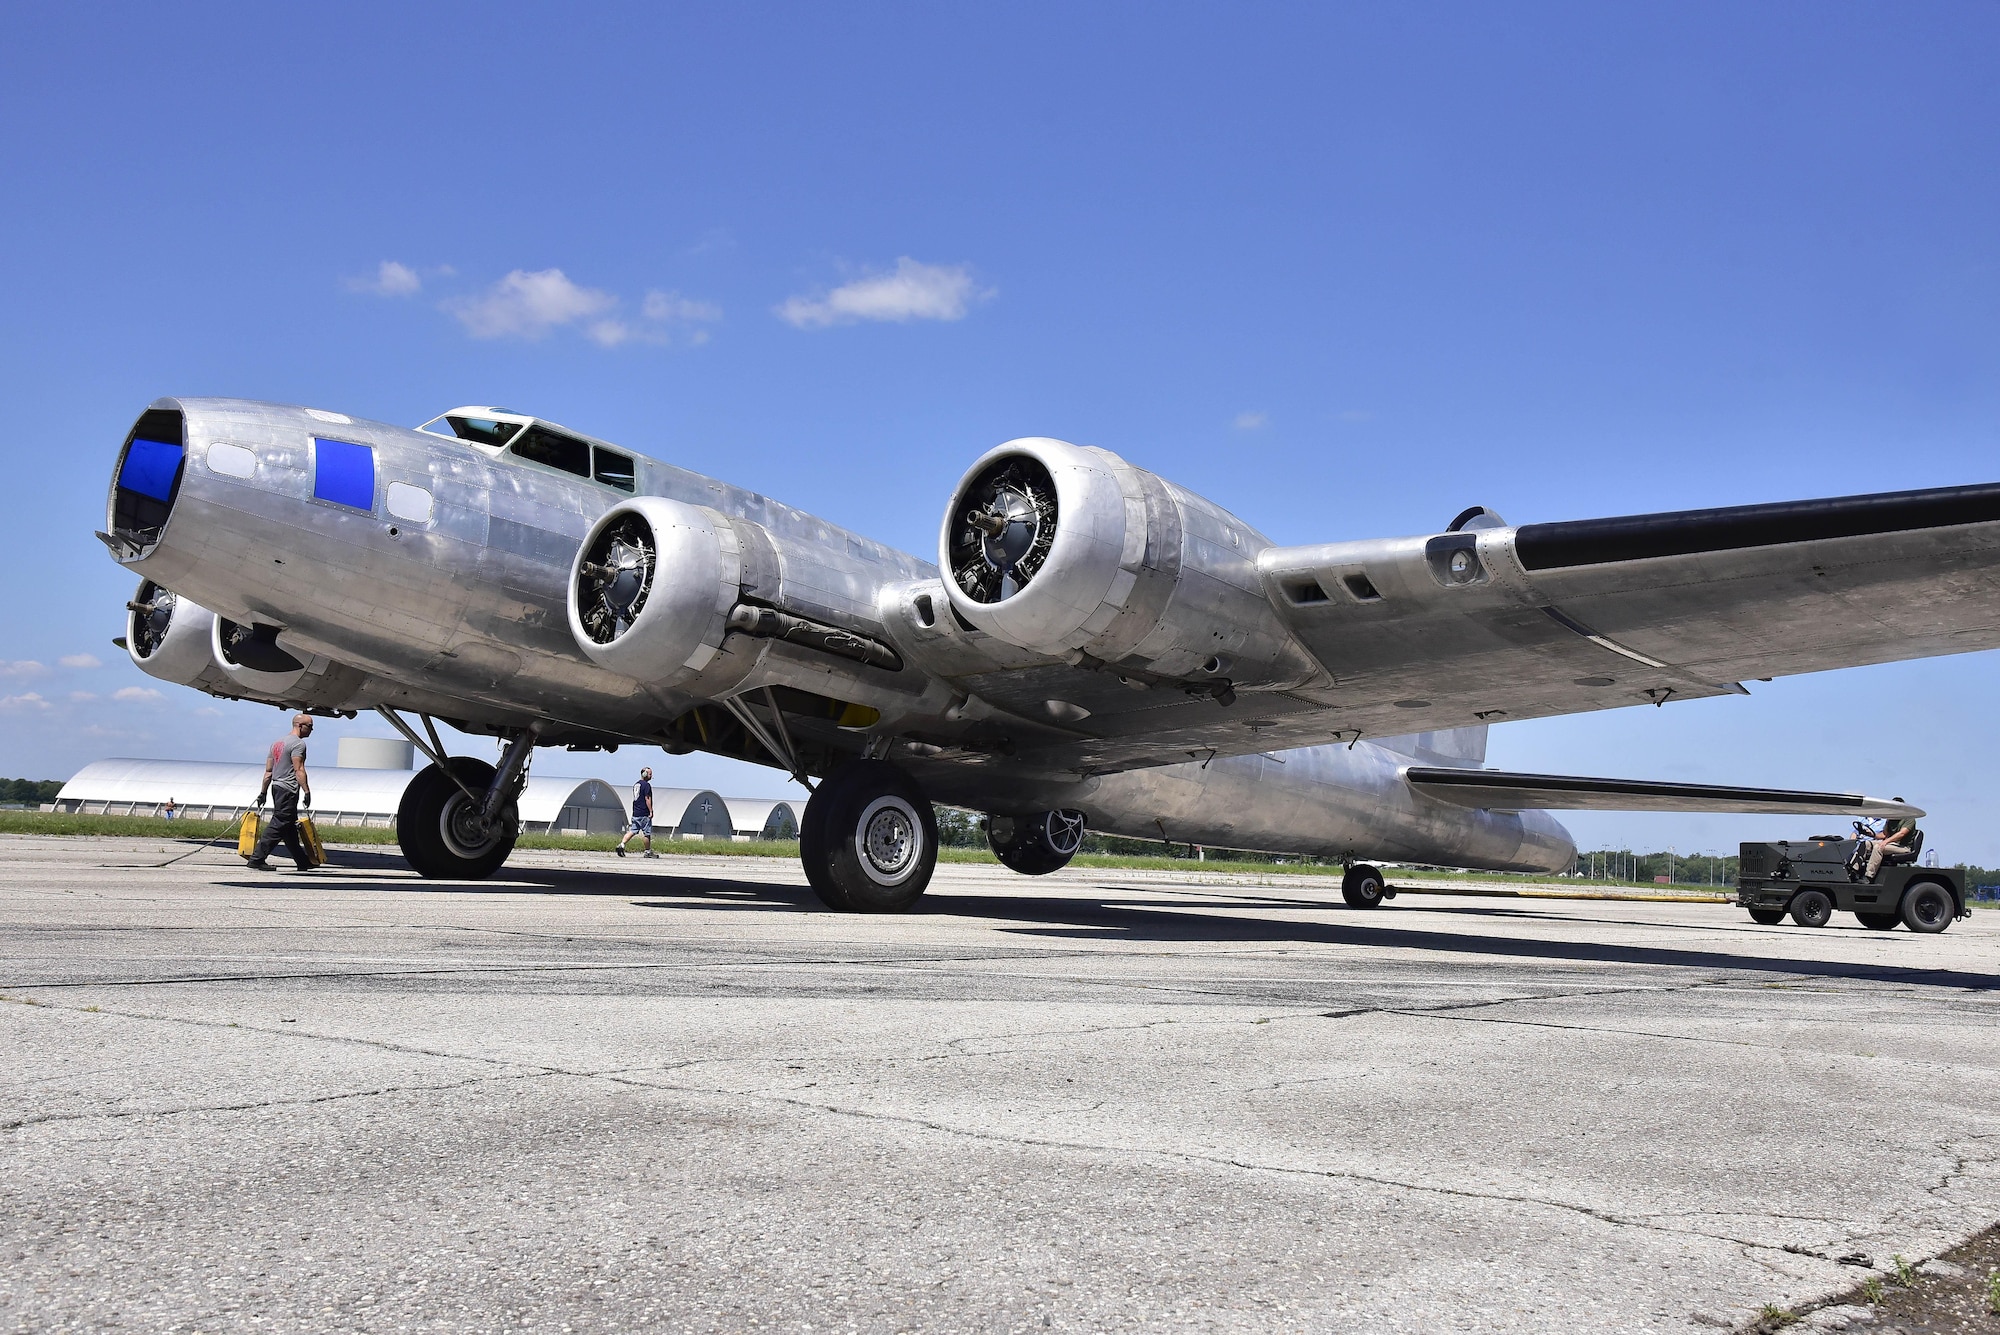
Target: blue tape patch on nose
pixel 150 468
pixel 344 473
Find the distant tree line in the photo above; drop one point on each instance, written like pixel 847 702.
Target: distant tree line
pixel 29 790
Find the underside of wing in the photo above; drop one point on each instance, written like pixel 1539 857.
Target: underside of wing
pixel 1498 790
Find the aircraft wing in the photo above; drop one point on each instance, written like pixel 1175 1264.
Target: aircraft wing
pixel 1498 790
pixel 1496 623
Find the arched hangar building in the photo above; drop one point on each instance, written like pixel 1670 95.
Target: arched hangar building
pixel 360 789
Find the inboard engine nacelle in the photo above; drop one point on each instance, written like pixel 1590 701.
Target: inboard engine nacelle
pixel 657 583
pixel 1067 550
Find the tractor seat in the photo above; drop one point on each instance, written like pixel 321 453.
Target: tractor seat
pixel 1909 856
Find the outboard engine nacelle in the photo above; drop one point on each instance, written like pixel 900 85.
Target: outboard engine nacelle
pixel 1067 550
pixel 167 636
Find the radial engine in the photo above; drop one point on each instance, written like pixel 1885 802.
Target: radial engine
pixel 1070 551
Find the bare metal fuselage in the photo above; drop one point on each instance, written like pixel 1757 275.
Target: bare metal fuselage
pixel 462 613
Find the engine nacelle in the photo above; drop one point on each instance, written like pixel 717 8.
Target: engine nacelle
pixel 249 663
pixel 1066 549
pixel 651 588
pixel 167 636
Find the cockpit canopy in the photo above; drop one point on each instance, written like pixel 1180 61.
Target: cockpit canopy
pixel 501 431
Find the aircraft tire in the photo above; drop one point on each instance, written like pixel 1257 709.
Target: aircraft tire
pixel 1812 908
pixel 812 849
pixel 1035 845
pixel 1880 922
pixel 1767 917
pixel 431 827
pixel 878 839
pixel 1928 906
pixel 1363 887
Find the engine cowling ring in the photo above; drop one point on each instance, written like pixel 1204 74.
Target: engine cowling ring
pixel 167 636
pixel 651 588
pixel 1080 575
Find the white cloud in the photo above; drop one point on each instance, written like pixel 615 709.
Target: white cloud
pixel 79 661
pixel 29 700
pixel 21 667
pixel 1251 419
pixel 136 693
pixel 912 291
pixel 529 305
pixel 659 312
pixel 82 697
pixel 208 711
pixel 672 306
pixel 390 279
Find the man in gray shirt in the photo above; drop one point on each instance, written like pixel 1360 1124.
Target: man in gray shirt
pixel 285 780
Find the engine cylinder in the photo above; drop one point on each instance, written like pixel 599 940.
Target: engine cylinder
pixel 651 588
pixel 1065 549
pixel 167 636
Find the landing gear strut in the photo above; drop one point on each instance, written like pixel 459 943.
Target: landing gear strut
pixel 458 819
pixel 869 839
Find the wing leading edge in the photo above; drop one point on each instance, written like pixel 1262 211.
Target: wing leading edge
pixel 1498 790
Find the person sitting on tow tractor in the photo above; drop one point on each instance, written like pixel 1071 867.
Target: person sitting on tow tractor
pixel 1897 835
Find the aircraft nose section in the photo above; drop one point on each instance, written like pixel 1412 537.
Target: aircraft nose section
pixel 146 483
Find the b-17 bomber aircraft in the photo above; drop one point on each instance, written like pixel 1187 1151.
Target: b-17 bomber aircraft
pixel 1097 648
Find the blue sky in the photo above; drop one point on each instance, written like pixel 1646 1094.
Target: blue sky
pixel 1344 270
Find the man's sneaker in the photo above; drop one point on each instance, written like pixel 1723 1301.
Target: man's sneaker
pixel 620 850
pixel 651 854
pixel 260 866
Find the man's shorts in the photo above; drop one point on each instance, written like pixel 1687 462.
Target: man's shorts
pixel 642 825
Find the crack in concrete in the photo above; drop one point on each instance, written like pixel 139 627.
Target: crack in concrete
pixel 302 1101
pixel 1601 1216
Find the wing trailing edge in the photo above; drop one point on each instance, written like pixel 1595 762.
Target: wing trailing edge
pixel 1499 790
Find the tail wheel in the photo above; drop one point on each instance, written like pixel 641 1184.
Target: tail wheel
pixel 440 828
pixel 1363 887
pixel 1928 906
pixel 1879 922
pixel 1812 908
pixel 1036 845
pixel 873 839
pixel 1767 917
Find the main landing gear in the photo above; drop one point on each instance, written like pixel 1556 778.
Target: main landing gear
pixel 869 839
pixel 458 818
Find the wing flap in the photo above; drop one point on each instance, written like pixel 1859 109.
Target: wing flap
pixel 1503 791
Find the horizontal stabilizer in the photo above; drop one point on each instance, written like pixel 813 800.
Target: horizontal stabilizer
pixel 1498 790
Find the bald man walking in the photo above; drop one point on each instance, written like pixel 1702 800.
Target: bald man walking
pixel 285 781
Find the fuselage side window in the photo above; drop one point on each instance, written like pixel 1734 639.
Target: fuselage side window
pixel 615 469
pixel 544 446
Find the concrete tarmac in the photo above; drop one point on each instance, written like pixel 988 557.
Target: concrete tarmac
pixel 594 1095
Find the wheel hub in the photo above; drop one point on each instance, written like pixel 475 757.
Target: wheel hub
pixel 466 832
pixel 889 841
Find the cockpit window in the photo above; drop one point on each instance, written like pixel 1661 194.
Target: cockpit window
pixel 478 430
pixel 544 446
pixel 614 469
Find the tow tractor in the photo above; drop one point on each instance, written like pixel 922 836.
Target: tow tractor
pixel 1811 879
